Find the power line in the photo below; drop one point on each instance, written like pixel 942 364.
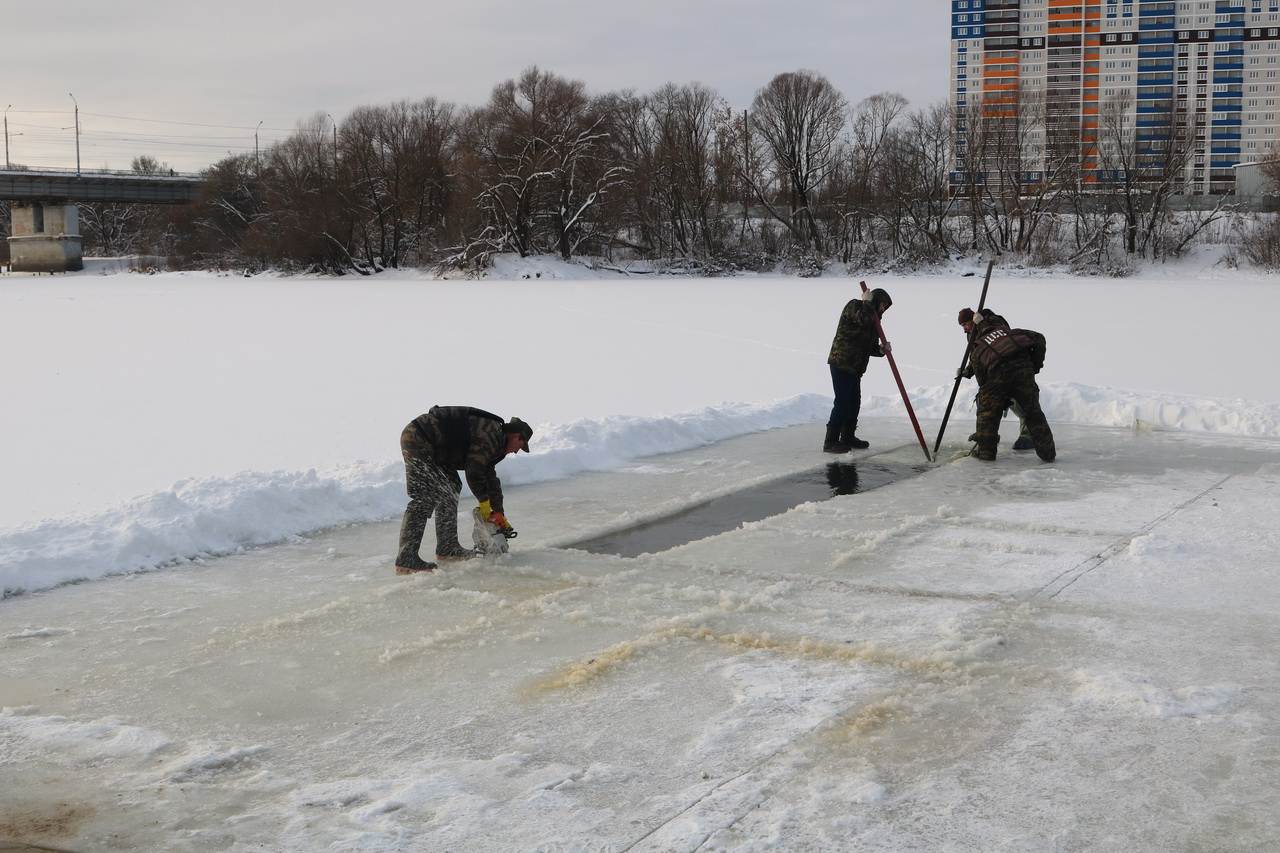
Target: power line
pixel 188 123
pixel 130 132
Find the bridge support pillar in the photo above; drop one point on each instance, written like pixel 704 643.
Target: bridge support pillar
pixel 46 237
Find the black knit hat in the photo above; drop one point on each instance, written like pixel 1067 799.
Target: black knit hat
pixel 966 316
pixel 881 297
pixel 520 428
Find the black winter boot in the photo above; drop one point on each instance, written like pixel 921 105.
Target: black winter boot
pixel 412 527
pixel 848 437
pixel 454 551
pixel 408 564
pixel 832 443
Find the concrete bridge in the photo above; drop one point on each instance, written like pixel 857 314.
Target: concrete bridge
pixel 45 220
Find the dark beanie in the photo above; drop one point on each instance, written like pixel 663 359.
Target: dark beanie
pixel 521 429
pixel 966 316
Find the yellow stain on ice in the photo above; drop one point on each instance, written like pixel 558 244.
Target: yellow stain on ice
pixel 585 671
pixel 582 672
pixel 871 718
pixel 806 647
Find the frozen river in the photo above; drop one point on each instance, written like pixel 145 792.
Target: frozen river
pixel 1078 656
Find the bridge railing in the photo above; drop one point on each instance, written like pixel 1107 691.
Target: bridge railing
pixel 168 175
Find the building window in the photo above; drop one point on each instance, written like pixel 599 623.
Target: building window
pixel 37 218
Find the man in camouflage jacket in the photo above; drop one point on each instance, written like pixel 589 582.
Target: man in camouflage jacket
pixel 1005 362
pixel 856 341
pixel 436 446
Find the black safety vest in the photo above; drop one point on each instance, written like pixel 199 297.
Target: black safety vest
pixel 994 343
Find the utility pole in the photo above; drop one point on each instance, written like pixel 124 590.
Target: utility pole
pixel 335 139
pixel 77 103
pixel 746 161
pixel 6 136
pixel 257 161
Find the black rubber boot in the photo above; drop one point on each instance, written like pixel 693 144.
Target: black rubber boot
pixel 408 564
pixel 412 526
pixel 1024 440
pixel 455 552
pixel 832 443
pixel 848 437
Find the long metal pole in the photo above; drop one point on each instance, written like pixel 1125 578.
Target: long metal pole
pixel 6 136
pixel 77 103
pixel 968 347
pixel 893 365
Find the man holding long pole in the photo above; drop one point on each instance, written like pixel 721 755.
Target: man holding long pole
pixel 857 339
pixel 897 377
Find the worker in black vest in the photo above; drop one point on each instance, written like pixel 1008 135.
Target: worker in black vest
pixel 1005 362
pixel 436 446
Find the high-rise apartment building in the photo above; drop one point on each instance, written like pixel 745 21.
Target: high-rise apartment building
pixel 1203 72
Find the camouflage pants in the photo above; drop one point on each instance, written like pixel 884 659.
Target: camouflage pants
pixel 1003 388
pixel 431 489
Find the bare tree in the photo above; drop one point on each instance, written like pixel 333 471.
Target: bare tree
pixel 541 148
pixel 873 120
pixel 916 183
pixel 1143 168
pixel 800 116
pixel 115 228
pixel 686 118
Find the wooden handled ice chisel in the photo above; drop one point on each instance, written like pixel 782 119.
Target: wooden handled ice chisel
pixel 893 365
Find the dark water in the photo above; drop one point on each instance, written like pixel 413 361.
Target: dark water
pixel 752 504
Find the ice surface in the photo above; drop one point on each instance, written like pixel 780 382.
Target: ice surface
pixel 880 671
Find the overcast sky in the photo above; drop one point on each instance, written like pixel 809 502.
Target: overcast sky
pixel 233 64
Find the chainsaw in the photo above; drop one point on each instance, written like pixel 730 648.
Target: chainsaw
pixel 488 537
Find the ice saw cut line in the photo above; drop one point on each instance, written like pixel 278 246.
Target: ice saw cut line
pixel 1073 574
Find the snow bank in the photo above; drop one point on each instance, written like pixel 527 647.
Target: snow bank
pixel 1068 402
pixel 221 515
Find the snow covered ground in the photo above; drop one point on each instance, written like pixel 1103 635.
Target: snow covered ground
pixel 1076 656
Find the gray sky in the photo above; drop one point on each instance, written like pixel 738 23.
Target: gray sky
pixel 232 64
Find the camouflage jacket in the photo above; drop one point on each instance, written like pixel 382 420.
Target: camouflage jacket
pixel 856 338
pixel 466 439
